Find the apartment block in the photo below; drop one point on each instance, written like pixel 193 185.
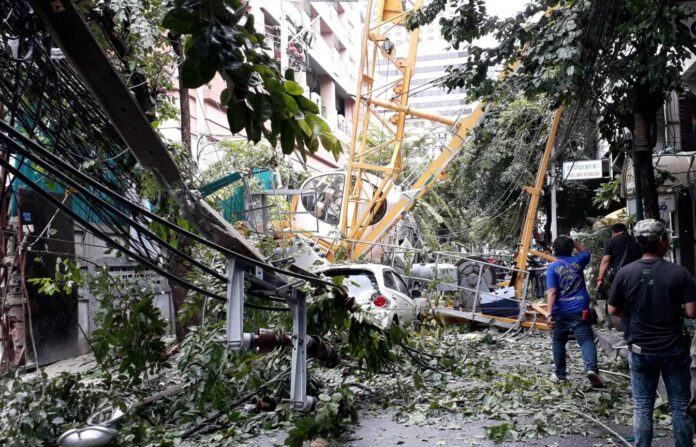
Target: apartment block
pixel 433 57
pixel 320 41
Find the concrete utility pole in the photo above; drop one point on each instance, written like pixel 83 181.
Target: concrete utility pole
pixel 636 182
pixel 554 211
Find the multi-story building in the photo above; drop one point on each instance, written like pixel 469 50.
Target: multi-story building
pixel 433 57
pixel 320 40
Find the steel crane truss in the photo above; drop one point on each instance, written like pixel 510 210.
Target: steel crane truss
pixel 374 100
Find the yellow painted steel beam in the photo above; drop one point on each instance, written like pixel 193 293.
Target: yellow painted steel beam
pixel 371 167
pixel 421 185
pixel 535 193
pixel 542 255
pixel 343 223
pixel 525 324
pixel 411 111
pixel 356 217
pixel 390 10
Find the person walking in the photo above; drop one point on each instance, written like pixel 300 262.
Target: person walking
pixel 621 249
pixel 568 303
pixel 654 295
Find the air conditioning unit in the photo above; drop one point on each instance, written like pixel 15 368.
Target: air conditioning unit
pixel 316 98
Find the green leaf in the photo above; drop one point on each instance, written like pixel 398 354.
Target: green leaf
pixel 290 74
pixel 237 117
pixel 307 104
pixel 287 139
pixel 291 105
pixel 265 72
pixel 253 129
pixel 200 45
pixel 313 143
pixel 179 20
pixel 225 96
pixel 276 124
pixel 249 25
pixel 270 136
pixel 315 121
pixel 195 72
pixel 263 106
pixel 274 86
pixel 293 88
pixel 305 127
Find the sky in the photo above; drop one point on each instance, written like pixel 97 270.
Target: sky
pixel 504 8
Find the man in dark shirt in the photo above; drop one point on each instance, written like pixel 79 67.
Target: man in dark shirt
pixel 620 250
pixel 654 295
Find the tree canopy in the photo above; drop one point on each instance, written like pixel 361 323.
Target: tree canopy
pixel 622 56
pixel 221 39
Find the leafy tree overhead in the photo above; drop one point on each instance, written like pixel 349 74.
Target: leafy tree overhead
pixel 623 56
pixel 221 39
pixel 483 199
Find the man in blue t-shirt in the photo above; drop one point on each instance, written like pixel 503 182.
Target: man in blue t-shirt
pixel 567 298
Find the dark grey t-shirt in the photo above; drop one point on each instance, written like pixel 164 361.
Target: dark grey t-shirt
pixel 617 245
pixel 652 293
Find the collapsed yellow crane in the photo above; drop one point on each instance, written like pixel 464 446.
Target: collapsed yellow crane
pixel 364 217
pixel 356 218
pixel 358 213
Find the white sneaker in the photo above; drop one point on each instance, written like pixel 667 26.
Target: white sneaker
pixel 556 379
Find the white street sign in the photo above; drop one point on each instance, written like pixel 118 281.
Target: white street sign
pixel 582 170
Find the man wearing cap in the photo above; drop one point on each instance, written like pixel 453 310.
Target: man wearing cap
pixel 655 295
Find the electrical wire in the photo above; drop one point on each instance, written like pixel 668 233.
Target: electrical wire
pixel 67 210
pixel 48 156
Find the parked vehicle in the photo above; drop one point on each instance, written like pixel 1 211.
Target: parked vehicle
pixel 379 290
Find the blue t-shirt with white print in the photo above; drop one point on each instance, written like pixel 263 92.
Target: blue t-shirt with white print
pixel 566 276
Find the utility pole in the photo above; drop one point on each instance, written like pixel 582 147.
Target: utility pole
pixel 554 212
pixel 636 181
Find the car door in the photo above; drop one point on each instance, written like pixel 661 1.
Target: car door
pixel 405 307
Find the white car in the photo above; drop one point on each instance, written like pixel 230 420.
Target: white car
pixel 379 290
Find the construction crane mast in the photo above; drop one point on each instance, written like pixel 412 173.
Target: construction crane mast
pixel 373 100
pixel 375 196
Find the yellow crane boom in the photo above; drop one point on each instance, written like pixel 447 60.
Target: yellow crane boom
pixel 357 222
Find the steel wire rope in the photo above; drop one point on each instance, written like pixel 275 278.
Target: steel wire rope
pixel 500 202
pixel 599 33
pixel 71 76
pixel 44 129
pixel 140 210
pixel 56 139
pixel 476 226
pixel 36 121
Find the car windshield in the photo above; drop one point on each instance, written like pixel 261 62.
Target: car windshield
pixel 361 284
